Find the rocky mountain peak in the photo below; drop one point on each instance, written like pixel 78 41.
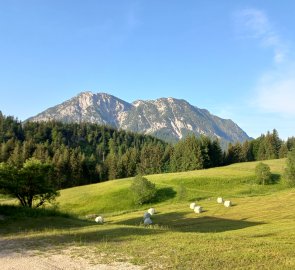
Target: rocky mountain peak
pixel 167 118
pixel 84 100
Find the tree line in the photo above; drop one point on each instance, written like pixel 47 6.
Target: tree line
pixel 267 146
pixel 84 153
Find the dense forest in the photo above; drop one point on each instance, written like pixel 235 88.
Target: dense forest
pixel 86 153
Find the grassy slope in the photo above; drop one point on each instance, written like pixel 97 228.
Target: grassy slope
pixel 257 233
pixel 236 180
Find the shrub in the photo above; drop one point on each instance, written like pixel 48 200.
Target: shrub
pixel 290 168
pixel 263 174
pixel 143 190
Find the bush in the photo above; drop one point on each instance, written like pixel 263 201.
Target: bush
pixel 290 169
pixel 143 190
pixel 263 174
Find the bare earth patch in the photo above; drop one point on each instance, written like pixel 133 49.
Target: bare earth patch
pixel 65 259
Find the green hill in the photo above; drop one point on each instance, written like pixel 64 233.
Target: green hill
pixel 256 233
pixel 108 198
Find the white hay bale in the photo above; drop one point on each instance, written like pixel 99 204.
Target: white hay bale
pixel 198 209
pixel 152 211
pixel 227 203
pixel 192 205
pixel 146 215
pixel 99 219
pixel 147 221
pixel 220 200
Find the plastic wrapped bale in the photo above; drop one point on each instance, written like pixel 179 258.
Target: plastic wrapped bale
pixel 198 209
pixel 99 219
pixel 146 215
pixel 152 211
pixel 227 204
pixel 220 200
pixel 147 221
pixel 192 205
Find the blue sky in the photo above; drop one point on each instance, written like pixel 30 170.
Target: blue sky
pixel 234 58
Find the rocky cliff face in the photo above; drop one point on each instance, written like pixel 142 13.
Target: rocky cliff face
pixel 166 118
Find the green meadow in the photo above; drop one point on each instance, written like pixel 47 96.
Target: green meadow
pixel 258 232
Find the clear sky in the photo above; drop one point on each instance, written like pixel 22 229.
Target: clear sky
pixel 234 58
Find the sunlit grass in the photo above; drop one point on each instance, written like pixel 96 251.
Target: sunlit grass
pixel 237 180
pixel 258 232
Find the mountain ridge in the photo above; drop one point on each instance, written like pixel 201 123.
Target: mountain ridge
pixel 166 118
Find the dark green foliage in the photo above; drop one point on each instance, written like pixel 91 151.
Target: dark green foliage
pixel 268 146
pixel 283 151
pixel 263 174
pixel 80 153
pixel 290 169
pixel 16 212
pixel 234 153
pixel 87 153
pixel 143 190
pixel 32 184
pixel 187 155
pixel 151 159
pixel 215 154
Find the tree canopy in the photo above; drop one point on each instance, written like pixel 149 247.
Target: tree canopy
pixel 263 174
pixel 85 153
pixel 143 190
pixel 290 169
pixel 32 184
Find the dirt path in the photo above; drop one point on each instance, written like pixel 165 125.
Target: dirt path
pixel 65 259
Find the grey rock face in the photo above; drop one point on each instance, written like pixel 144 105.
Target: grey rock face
pixel 166 118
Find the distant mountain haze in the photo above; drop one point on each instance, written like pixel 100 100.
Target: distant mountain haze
pixel 169 119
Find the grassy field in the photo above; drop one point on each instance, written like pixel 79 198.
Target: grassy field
pixel 112 197
pixel 258 232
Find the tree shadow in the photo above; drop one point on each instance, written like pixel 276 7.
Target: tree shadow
pixel 164 194
pixel 16 219
pixel 96 235
pixel 202 223
pixel 199 198
pixel 53 232
pixel 275 178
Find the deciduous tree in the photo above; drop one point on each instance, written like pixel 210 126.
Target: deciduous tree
pixel 31 185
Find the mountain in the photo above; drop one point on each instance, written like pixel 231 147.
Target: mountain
pixel 166 118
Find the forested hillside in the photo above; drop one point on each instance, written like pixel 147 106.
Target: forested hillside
pixel 268 146
pixel 80 153
pixel 88 153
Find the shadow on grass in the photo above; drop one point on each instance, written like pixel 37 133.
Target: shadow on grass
pixel 49 230
pixel 199 198
pixel 275 178
pixel 95 235
pixel 201 224
pixel 16 219
pixel 164 194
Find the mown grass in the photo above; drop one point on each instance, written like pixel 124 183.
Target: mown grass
pixel 258 232
pixel 109 198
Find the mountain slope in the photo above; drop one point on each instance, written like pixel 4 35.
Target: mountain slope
pixel 87 107
pixel 167 118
